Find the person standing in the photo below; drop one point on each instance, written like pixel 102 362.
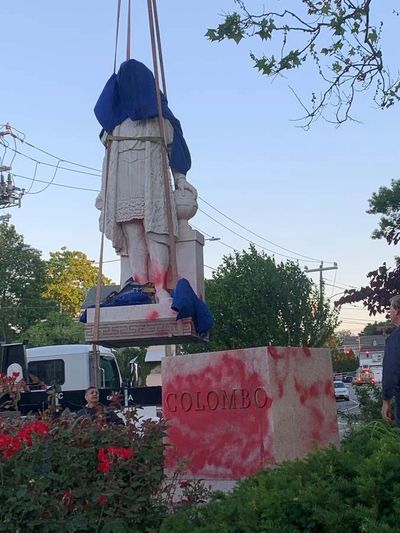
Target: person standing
pixel 96 410
pixel 391 367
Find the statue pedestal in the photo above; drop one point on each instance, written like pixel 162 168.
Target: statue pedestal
pixel 189 259
pixel 136 325
pixel 233 413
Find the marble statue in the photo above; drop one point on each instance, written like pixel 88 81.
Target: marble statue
pixel 133 202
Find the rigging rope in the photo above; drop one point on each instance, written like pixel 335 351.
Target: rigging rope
pixel 159 48
pixel 128 33
pixel 171 236
pixel 117 35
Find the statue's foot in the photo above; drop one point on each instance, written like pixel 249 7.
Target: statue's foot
pixel 162 294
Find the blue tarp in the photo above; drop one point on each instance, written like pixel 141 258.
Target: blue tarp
pixel 132 94
pixel 188 304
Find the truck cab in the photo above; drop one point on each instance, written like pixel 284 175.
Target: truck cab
pixel 69 366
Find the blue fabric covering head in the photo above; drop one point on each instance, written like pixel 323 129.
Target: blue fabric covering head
pixel 132 94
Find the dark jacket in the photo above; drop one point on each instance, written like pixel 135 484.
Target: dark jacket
pixel 391 365
pixel 92 412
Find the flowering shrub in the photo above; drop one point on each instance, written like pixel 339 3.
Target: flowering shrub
pixel 77 475
pixel 10 390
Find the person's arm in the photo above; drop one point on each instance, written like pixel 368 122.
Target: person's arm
pixel 386 410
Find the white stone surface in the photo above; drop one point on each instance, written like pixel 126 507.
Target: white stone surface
pixel 133 312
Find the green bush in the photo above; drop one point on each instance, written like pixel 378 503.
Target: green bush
pixel 78 475
pixel 354 489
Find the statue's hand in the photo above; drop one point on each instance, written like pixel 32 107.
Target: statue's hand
pixel 183 185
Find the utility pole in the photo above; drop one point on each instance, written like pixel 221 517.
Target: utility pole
pixel 10 195
pixel 321 281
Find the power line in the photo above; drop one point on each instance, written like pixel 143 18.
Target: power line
pixel 260 236
pixel 55 184
pixel 21 138
pixel 248 240
pixel 59 158
pixel 97 174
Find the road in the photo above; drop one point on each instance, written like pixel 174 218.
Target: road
pixel 342 407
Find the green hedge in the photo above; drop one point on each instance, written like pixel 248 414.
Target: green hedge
pixel 78 475
pixel 354 489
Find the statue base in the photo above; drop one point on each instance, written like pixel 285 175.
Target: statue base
pixel 140 325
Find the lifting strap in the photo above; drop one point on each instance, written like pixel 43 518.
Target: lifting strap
pixel 157 58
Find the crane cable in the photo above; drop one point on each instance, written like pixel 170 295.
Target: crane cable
pixel 96 324
pixel 157 58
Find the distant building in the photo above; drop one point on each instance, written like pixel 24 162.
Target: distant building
pixel 372 348
pixel 153 359
pixel 351 344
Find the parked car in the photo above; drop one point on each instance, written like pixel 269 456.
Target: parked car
pixel 341 392
pixel 347 379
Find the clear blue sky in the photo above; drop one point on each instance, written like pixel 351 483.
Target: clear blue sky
pixel 306 191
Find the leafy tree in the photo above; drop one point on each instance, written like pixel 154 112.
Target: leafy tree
pixel 56 328
pixel 384 282
pixel 386 202
pixel 377 328
pixel 71 274
pixel 137 355
pixel 257 302
pixel 344 362
pixel 22 282
pixel 341 39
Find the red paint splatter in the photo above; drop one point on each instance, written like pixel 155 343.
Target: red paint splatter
pixel 152 315
pixel 307 352
pixel 227 443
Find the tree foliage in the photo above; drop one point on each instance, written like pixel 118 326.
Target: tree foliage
pixel 71 274
pixel 377 328
pixel 257 302
pixel 386 202
pixel 384 281
pixel 56 328
pixel 340 38
pixel 22 282
pixel 344 362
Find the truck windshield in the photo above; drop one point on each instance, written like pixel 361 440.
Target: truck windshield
pixel 111 374
pixel 51 372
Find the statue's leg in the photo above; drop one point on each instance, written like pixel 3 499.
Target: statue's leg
pixel 137 250
pixel 159 259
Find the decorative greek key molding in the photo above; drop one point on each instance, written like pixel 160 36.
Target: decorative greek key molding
pixel 137 332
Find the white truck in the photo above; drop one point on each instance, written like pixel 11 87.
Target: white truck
pixel 69 366
pixel 67 370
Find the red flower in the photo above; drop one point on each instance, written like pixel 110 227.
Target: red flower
pixel 183 484
pixel 102 455
pixel 104 467
pixel 15 374
pixel 5 441
pixel 37 427
pixel 102 500
pixel 67 494
pixel 13 447
pixel 122 453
